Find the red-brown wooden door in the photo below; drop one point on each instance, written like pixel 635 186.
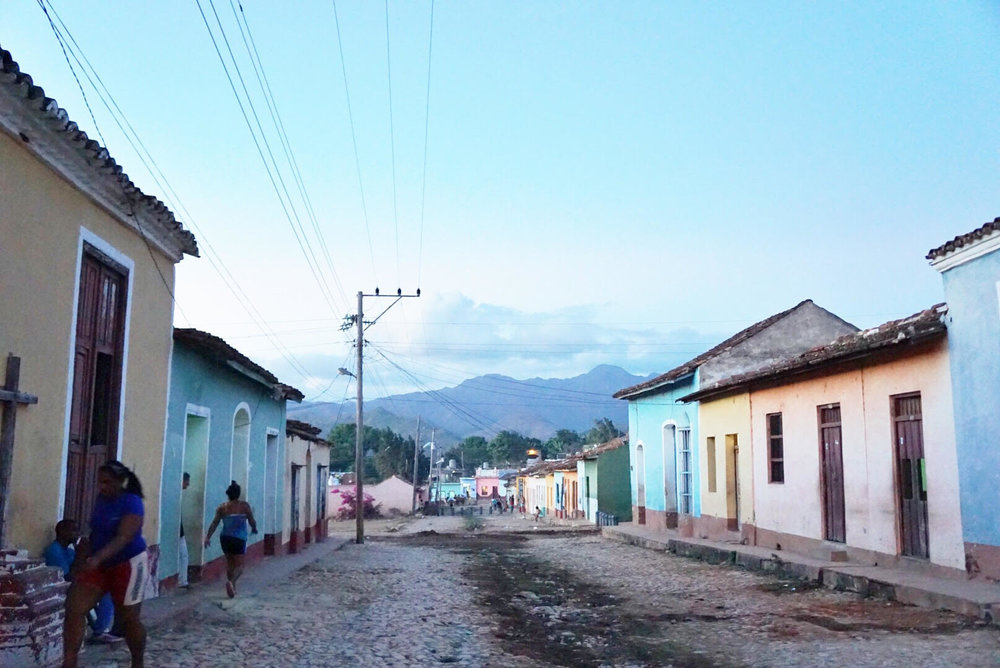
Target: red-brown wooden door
pixel 97 373
pixel 831 449
pixel 911 474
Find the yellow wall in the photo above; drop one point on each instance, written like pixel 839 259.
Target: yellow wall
pixel 722 418
pixel 41 216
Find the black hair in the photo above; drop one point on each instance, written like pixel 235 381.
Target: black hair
pixel 186 476
pixel 124 475
pixel 233 491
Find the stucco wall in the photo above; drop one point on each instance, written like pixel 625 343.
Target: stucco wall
pixel 646 419
pixel 216 392
pixel 805 327
pixel 722 418
pixel 973 294
pixel 794 507
pixel 42 218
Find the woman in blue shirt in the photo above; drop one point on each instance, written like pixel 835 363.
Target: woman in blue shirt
pixel 113 560
pixel 234 515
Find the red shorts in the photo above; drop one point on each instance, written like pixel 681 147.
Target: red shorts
pixel 125 581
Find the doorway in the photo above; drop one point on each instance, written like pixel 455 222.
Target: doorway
pixel 832 471
pixel 640 484
pixel 732 482
pixel 295 509
pixel 192 499
pixel 97 380
pixel 911 471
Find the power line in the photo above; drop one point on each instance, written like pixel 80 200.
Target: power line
pixel 272 103
pixel 156 173
pixel 392 139
pixel 427 115
pixel 354 141
pixel 303 245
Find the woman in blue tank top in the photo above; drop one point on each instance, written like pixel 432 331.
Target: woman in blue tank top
pixel 234 515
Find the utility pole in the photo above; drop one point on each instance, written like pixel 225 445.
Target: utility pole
pixel 359 442
pixel 416 464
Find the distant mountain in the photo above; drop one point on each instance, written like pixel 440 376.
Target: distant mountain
pixel 485 405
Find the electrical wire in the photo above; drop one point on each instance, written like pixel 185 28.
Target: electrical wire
pixel 392 139
pixel 354 141
pixel 427 115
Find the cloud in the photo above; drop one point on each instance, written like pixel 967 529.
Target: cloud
pixel 445 339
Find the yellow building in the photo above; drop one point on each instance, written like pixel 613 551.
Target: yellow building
pixel 87 268
pixel 727 474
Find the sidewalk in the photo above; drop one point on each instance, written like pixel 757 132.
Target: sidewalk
pixel 975 598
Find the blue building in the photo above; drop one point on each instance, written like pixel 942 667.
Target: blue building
pixel 663 430
pixel 970 267
pixel 225 421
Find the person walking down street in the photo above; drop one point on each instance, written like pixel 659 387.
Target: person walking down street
pixel 61 553
pixel 113 561
pixel 235 515
pixel 538 513
pixel 182 546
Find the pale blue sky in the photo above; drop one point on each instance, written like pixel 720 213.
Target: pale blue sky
pixel 618 182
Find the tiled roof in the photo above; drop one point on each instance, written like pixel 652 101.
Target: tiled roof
pixel 964 239
pixel 217 350
pixel 304 430
pixel 916 328
pixel 690 366
pixel 548 466
pixel 45 129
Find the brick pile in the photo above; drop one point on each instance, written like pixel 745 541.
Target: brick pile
pixel 31 612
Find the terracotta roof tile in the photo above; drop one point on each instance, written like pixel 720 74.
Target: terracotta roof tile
pixel 46 130
pixel 217 350
pixel 304 430
pixel 916 328
pixel 964 239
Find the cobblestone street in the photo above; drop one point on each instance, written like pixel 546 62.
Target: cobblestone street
pixel 431 592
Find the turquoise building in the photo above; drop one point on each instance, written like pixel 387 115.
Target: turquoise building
pixel 225 421
pixel 970 268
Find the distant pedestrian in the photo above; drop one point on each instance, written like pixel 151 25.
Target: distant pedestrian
pixel 112 560
pixel 182 546
pixel 538 513
pixel 234 514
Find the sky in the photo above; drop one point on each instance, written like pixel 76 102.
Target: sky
pixel 567 183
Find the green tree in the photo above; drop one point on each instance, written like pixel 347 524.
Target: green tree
pixel 386 453
pixel 473 451
pixel 603 431
pixel 509 447
pixel 565 441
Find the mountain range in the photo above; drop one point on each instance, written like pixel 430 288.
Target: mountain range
pixel 486 405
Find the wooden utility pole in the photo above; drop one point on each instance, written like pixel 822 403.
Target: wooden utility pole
pixel 416 464
pixel 10 397
pixel 359 441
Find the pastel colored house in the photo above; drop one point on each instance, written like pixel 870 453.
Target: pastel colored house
pixel 487 482
pixel 307 462
pixel 726 473
pixel 853 447
pixel 604 481
pixel 663 430
pixel 970 268
pixel 396 494
pixel 226 421
pixel 87 276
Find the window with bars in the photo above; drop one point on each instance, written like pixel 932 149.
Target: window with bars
pixel 775 449
pixel 684 451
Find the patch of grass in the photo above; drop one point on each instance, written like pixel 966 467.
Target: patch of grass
pixel 473 523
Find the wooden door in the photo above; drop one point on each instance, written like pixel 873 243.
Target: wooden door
pixel 832 473
pixel 911 472
pixel 97 378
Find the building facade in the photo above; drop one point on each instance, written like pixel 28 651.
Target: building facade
pixel 970 269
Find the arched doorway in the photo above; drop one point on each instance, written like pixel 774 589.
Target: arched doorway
pixel 640 484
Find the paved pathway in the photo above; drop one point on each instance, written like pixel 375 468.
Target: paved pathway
pixel 524 594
